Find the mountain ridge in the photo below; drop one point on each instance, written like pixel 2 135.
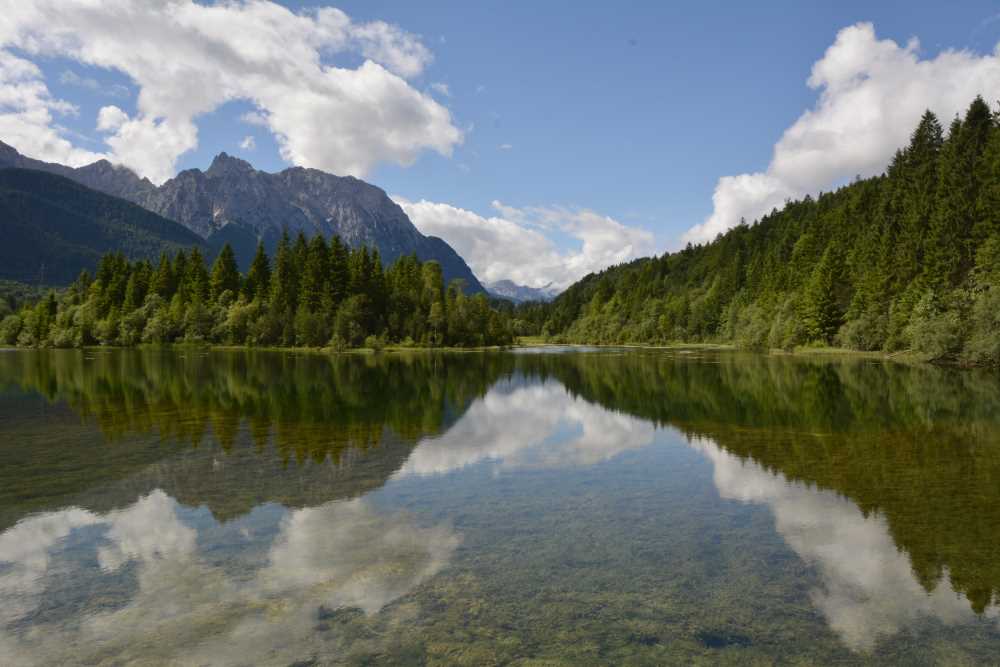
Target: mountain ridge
pixel 234 202
pixel 54 227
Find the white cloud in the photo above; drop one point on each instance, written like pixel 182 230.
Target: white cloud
pixel 28 111
pixel 872 94
pixel 441 88
pixel 513 246
pixel 540 426
pixel 333 118
pixel 186 608
pixel 869 590
pixel 248 143
pixel 505 147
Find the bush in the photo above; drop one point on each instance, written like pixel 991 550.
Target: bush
pixel 934 332
pixel 10 329
pixel 310 328
pixel 866 332
pixel 983 346
pixel 750 328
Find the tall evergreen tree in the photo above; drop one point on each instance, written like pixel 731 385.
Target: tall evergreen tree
pixel 258 281
pixel 340 273
pixel 197 277
pixel 315 274
pixel 225 274
pixel 284 286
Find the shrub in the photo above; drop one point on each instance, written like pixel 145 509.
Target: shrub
pixel 983 346
pixel 934 332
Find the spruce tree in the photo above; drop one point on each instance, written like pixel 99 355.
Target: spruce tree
pixel 315 274
pixel 225 274
pixel 163 280
pixel 340 275
pixel 197 277
pixel 283 283
pixel 258 281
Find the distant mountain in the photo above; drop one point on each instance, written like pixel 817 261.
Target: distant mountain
pixel 52 228
pixel 233 202
pixel 508 289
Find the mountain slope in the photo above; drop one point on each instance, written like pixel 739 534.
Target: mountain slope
pixel 908 260
pixel 53 227
pixel 233 202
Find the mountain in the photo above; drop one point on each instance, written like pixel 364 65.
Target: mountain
pixel 508 289
pixel 235 203
pixel 906 260
pixel 53 227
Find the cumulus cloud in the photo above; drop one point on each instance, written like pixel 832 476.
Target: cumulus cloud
pixel 869 589
pixel 872 94
pixel 248 143
pixel 514 245
pixel 333 118
pixel 539 426
pixel 441 88
pixel 28 113
pixel 259 604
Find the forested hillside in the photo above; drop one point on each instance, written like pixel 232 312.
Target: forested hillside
pixel 909 260
pixel 315 294
pixel 52 228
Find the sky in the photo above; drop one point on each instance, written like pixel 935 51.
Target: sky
pixel 542 140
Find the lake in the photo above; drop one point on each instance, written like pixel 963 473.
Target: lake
pixel 563 507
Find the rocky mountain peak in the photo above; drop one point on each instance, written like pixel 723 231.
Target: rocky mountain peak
pixel 231 202
pixel 225 164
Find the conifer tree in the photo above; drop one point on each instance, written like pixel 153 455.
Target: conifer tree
pixel 225 274
pixel 340 276
pixel 197 277
pixel 283 282
pixel 315 274
pixel 258 281
pixel 163 280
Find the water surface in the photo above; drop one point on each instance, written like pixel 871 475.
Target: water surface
pixel 564 507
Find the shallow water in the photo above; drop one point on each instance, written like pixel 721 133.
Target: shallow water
pixel 595 507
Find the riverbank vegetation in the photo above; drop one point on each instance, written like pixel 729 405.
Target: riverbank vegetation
pixel 908 260
pixel 314 293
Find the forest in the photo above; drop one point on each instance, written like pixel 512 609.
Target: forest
pixel 905 261
pixel 314 293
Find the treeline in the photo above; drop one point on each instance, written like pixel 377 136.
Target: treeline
pixel 313 294
pixel 909 260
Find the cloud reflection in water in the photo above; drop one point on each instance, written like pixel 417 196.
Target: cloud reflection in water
pixel 186 606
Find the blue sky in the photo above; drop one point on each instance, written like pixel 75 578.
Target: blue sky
pixel 629 113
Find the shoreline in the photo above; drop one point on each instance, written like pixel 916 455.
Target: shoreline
pixel 904 356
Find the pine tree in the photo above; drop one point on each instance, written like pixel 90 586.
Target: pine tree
pixel 258 281
pixel 913 194
pixel 197 277
pixel 821 311
pixel 180 274
pixel 340 275
pixel 163 280
pixel 943 243
pixel 225 274
pixel 315 274
pixel 284 288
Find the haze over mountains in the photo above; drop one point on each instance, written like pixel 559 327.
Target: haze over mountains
pixel 508 289
pixel 235 203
